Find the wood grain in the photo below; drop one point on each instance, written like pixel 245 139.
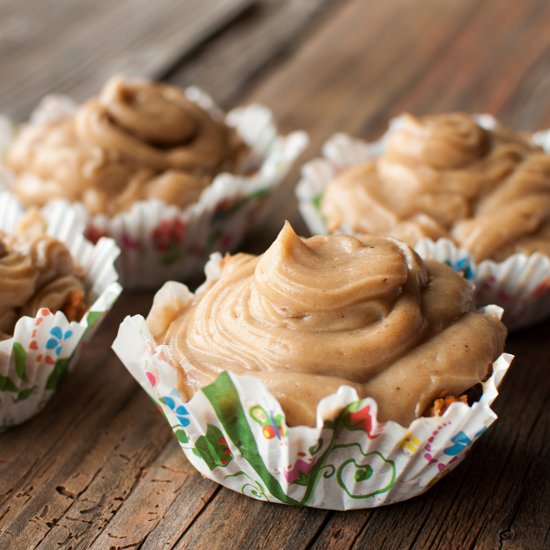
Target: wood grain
pixel 99 468
pixel 262 37
pixel 73 47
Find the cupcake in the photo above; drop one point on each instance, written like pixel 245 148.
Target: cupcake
pixel 54 289
pixel 335 372
pixel 159 169
pixel 457 187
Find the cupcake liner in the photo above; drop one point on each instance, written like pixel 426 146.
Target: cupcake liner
pixel 520 284
pixel 234 432
pixel 160 242
pixel 44 349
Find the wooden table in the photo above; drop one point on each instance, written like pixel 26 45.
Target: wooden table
pixel 100 466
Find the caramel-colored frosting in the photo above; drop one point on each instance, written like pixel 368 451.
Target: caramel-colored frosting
pixel 446 176
pixel 135 141
pixel 36 271
pixel 311 315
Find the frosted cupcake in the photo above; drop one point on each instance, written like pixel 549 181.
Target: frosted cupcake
pixel 54 289
pixel 37 271
pixel 151 165
pixel 318 361
pixel 481 191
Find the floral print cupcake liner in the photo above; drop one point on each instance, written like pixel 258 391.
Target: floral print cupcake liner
pixel 234 432
pixel 160 242
pixel 44 349
pixel 520 284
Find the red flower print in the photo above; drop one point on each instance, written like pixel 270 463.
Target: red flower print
pixel 168 233
pixel 299 471
pixel 361 420
pixel 93 233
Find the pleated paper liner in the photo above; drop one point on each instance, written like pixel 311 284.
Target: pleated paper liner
pixel 520 284
pixel 234 432
pixel 44 349
pixel 160 242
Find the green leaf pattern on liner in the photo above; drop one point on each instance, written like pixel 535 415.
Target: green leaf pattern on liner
pixel 212 448
pixel 180 434
pixel 317 201
pixel 173 254
pixel 59 373
pixel 224 398
pixel 92 318
pixel 20 360
pixel 252 487
pixel 350 461
pixel 6 384
pixel 25 394
pixel 353 474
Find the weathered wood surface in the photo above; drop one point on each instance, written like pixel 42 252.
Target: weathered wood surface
pixel 99 467
pixel 52 45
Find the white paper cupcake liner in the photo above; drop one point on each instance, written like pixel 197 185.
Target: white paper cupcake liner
pixel 44 349
pixel 160 242
pixel 234 432
pixel 520 284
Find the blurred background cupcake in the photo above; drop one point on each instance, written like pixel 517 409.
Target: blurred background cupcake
pixel 159 169
pixel 55 289
pixel 459 188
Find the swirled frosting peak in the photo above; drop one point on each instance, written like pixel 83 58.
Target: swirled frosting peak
pixel 36 271
pixel 310 315
pixel 134 141
pixel 440 141
pixel 446 176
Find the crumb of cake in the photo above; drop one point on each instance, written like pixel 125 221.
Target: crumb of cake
pixel 442 404
pixel 75 305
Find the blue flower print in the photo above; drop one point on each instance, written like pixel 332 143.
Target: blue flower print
pixel 179 411
pixel 462 265
pixel 461 441
pixel 59 338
